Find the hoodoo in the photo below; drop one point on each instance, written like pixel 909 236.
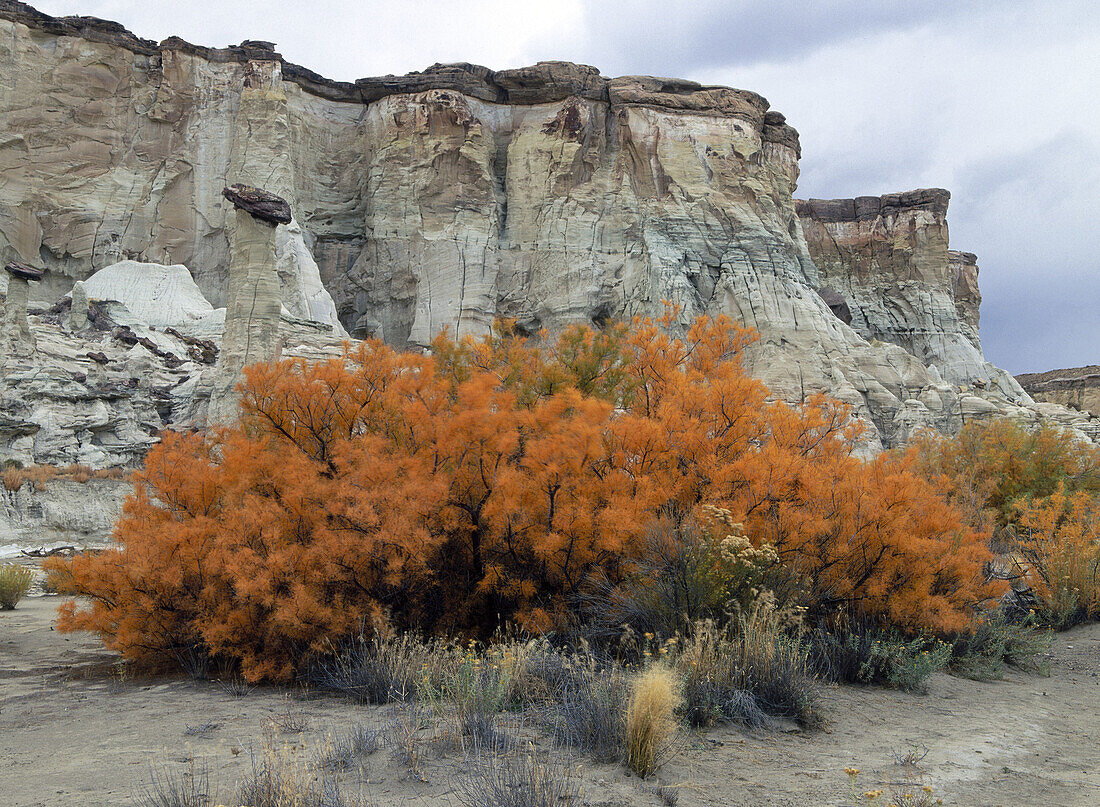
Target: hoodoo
pixel 252 313
pixel 15 329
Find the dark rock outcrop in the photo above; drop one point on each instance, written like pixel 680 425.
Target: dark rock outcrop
pixel 258 203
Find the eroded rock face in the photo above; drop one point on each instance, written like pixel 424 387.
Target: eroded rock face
pixel 888 256
pixel 63 512
pixel 1076 387
pixel 447 198
pixel 968 297
pixel 100 395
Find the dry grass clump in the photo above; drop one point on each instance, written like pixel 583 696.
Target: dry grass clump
pixel 15 582
pixel 747 672
pixel 516 780
pixel 277 781
pixel 651 718
pixel 401 736
pixel 588 712
pixel 14 477
pixel 383 669
pixel 189 787
pixel 714 686
pixel 342 749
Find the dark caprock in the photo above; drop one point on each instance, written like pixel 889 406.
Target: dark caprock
pixel 261 204
pixel 23 271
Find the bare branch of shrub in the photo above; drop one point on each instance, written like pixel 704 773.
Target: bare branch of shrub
pixel 171 788
pixel 516 780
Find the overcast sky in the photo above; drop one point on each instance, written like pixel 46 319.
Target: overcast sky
pixel 998 101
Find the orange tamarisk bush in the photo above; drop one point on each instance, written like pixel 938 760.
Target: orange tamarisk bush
pixel 494 480
pixel 993 464
pixel 1039 490
pixel 1059 543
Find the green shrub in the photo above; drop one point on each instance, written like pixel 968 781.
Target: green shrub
pixel 689 572
pixel 863 654
pixel 15 582
pixel 997 642
pixel 480 685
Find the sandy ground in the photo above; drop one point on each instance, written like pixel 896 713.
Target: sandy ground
pixel 76 731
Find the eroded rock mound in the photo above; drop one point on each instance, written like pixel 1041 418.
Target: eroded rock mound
pixel 157 295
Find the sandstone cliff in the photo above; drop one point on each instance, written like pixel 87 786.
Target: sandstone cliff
pixel 1077 388
pixel 446 198
pixel 888 257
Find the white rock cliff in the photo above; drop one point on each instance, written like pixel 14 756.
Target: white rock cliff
pixel 450 197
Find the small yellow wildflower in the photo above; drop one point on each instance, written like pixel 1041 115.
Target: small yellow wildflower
pixel 853 772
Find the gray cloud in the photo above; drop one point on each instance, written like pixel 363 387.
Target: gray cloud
pixel 658 36
pixel 1040 270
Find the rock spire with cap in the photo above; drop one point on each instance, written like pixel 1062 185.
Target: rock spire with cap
pixel 253 310
pixel 15 329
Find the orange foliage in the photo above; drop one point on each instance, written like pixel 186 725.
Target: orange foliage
pixel 494 480
pixel 991 465
pixel 1059 540
pixel 14 477
pixel 1040 490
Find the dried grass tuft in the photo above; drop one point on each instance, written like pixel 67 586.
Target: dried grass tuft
pixel 651 719
pixel 15 582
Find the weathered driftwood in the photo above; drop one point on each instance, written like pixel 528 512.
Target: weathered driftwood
pixel 42 552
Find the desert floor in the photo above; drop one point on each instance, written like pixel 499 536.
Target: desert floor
pixel 75 730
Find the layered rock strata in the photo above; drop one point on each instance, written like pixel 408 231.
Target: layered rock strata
pixel 447 198
pixel 888 257
pixel 62 512
pixel 1077 387
pixel 101 395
